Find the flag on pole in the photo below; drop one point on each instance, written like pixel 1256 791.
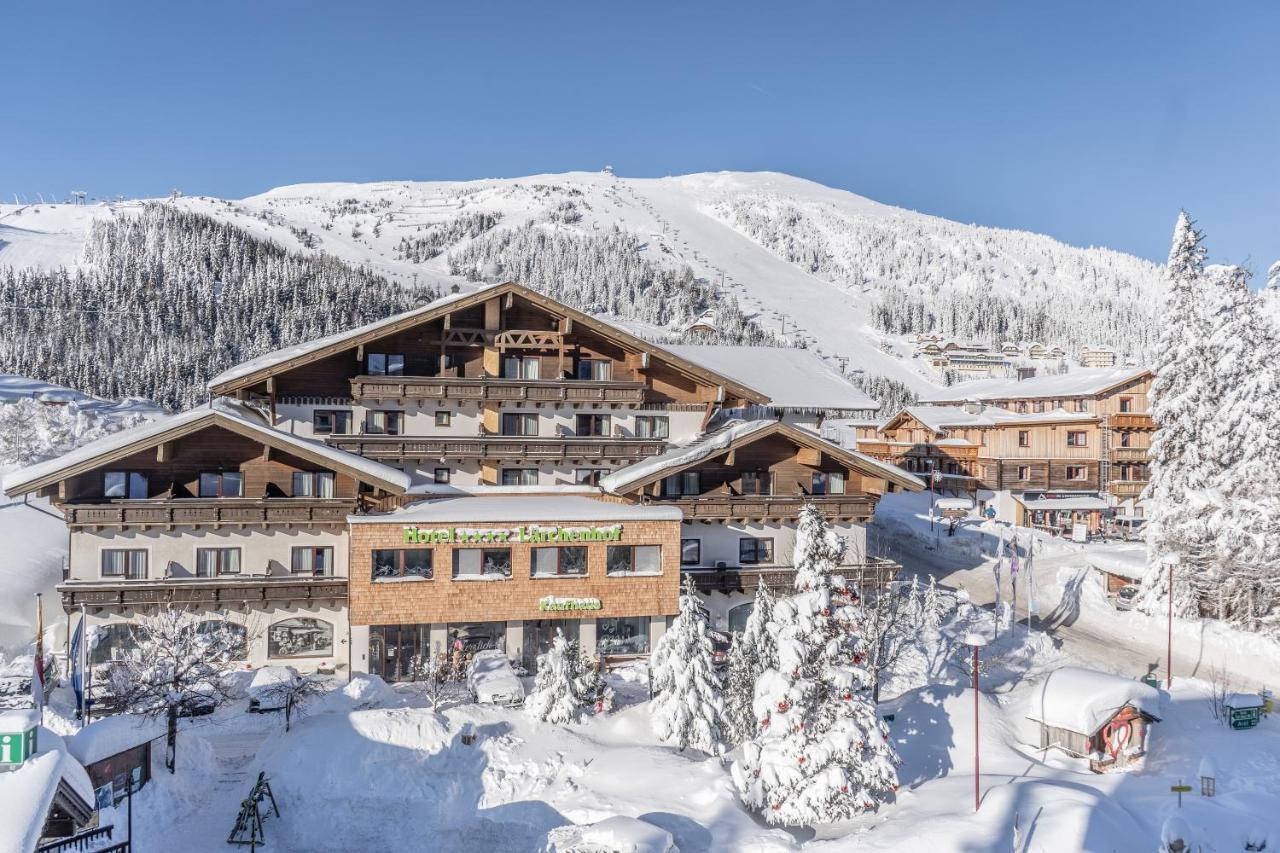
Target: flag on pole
pixel 1013 561
pixel 37 663
pixel 74 658
pixel 1031 578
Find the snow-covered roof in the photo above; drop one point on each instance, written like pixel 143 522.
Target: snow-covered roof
pixel 520 508
pixel 1244 700
pixel 28 792
pixel 1131 563
pixel 285 354
pixel 646 470
pixel 1075 383
pixel 219 412
pixel 110 736
pixel 1084 700
pixel 939 418
pixel 1082 502
pixel 953 503
pixel 792 378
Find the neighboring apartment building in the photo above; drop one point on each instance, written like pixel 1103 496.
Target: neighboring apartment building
pixel 477 472
pixel 1049 451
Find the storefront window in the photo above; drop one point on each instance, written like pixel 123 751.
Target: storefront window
pixel 553 562
pixel 471 637
pixel 111 642
pixel 538 636
pixel 391 563
pixel 481 562
pixel 634 560
pixel 300 638
pixel 624 635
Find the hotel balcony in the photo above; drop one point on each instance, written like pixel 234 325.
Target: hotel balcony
pixel 1131 420
pixel 168 512
pixel 873 574
pixel 1130 454
pixel 217 592
pixel 764 507
pixel 377 388
pixel 1126 488
pixel 400 447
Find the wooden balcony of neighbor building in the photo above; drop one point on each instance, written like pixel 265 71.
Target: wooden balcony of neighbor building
pixel 1126 488
pixel 494 389
pixel 216 592
pixel 1132 420
pixel 497 447
pixel 874 574
pixel 1129 454
pixel 782 507
pixel 236 511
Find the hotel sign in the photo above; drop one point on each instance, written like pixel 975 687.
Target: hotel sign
pixel 556 602
pixel 509 535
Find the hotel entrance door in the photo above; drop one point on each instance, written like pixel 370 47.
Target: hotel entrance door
pixel 392 649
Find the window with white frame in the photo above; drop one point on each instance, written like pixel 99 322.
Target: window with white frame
pixel 653 426
pixel 314 560
pixel 331 422
pixel 313 484
pixel 127 563
pixel 211 562
pixel 519 476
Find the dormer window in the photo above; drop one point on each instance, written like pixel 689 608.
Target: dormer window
pixel 384 364
pixel 131 485
pixel 221 484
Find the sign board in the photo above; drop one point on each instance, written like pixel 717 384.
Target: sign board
pixel 1079 532
pixel 17 747
pixel 556 603
pixel 509 535
pixel 1245 718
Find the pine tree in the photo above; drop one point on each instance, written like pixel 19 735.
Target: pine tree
pixel 687 708
pixel 754 651
pixel 823 753
pixel 554 698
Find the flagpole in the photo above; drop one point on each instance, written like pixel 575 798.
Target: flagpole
pixel 84 663
pixel 37 676
pixel 1013 582
pixel 1031 578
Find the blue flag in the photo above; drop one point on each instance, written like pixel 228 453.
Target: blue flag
pixel 77 671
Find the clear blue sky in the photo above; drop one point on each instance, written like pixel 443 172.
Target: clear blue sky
pixel 1091 122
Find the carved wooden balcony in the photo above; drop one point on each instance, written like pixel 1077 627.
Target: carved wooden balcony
pixel 873 574
pixel 1130 454
pixel 783 507
pixel 217 511
pixel 221 591
pixel 398 447
pixel 375 388
pixel 1131 420
pixel 1126 488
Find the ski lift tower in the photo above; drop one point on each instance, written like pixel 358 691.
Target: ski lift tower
pixel 78 195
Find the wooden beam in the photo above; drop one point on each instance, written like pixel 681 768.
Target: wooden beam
pixel 731 457
pixel 809 456
pixel 164 451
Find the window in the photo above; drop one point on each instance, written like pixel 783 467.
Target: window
pixel 221 484
pixel 828 484
pixel 1077 472
pixel 1021 408
pixel 624 635
pixel 521 367
pixel 757 483
pixel 1082 405
pixel 690 552
pixel 634 560
pixel 597 369
pixel 311 560
pixel 571 560
pixel 237 635
pixel 384 364
pixel 751 551
pixel 383 423
pixel 481 562
pixel 1077 438
pixel 441 475
pixel 313 484
pixel 1039 407
pixel 300 638
pixel 519 476
pixel 444 419
pixel 391 563
pixel 653 426
pixel 738 617
pixel 1024 472
pixel 596 426
pixel 211 562
pixel 520 423
pixel 115 641
pixel 1024 438
pixel 331 422
pixel 1126 439
pixel 124 484
pixel 1126 404
pixel 130 563
pixel 588 476
pixel 684 483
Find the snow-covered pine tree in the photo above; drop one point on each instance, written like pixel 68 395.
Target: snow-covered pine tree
pixel 823 753
pixel 754 651
pixel 566 684
pixel 687 707
pixel 1182 406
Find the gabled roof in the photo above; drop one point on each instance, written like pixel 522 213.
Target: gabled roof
pixel 939 418
pixel 258 369
pixel 793 378
pixel 1087 382
pixel 227 414
pixel 741 433
pixel 1084 700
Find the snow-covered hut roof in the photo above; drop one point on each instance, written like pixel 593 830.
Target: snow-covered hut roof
pixel 1084 700
pixel 1086 382
pixel 225 413
pixel 939 418
pixel 1075 502
pixel 29 791
pixel 520 508
pixel 258 369
pixel 1244 700
pixel 744 432
pixel 793 378
pixel 113 735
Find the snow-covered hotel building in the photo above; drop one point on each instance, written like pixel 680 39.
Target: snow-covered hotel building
pixel 475 472
pixel 1048 451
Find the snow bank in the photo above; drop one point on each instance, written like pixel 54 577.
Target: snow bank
pixel 612 835
pixel 1083 700
pixel 112 735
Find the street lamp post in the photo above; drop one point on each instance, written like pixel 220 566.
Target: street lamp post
pixel 976 641
pixel 1168 655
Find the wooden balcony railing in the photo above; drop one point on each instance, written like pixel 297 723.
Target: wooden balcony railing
pixel 202 592
pixel 1126 488
pixel 396 447
pixel 874 574
pixel 1130 454
pixel 489 388
pixel 172 511
pixel 1132 420
pixel 788 507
